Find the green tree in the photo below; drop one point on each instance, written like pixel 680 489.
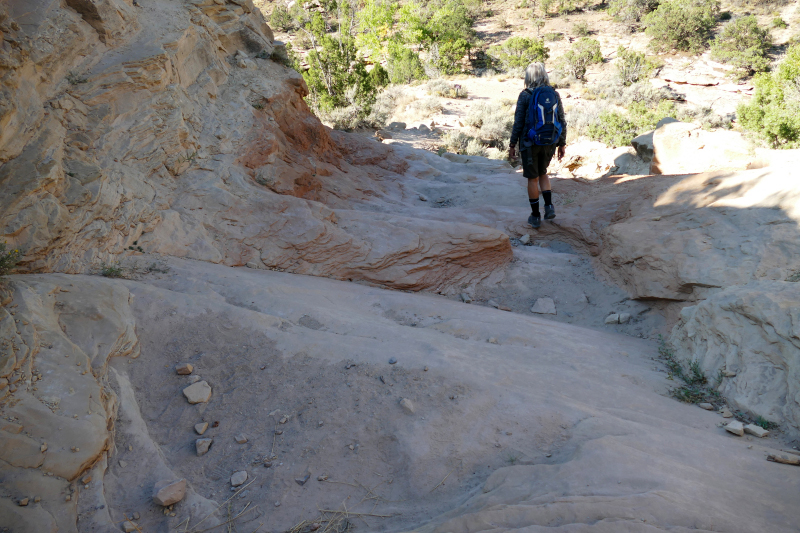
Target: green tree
pixel 376 25
pixel 450 55
pixel 404 64
pixel 743 44
pixel 632 66
pixel 631 11
pixel 774 111
pixel 583 53
pixel 683 25
pixel 519 52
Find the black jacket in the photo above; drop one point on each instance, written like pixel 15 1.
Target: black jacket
pixel 522 111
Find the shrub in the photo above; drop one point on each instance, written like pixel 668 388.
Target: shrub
pixel 450 55
pixel 779 23
pixel 774 111
pixel 576 60
pixel 379 77
pixel 444 89
pixel 456 141
pixel 404 65
pixel 493 121
pixel 631 11
pixel 425 107
pixel 683 25
pixel 8 259
pixel 581 29
pixel 743 44
pixel 519 52
pixel 553 36
pixel 632 66
pixel 281 18
pixel 384 107
pixel 616 128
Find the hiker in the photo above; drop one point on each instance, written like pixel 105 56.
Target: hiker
pixel 540 128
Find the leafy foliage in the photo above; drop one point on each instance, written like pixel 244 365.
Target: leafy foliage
pixel 281 18
pixel 633 66
pixel 581 29
pixel 519 52
pixel 631 11
pixel 8 259
pixel 744 44
pixel 683 25
pixel 404 64
pixel 695 387
pixel 616 128
pixel 774 111
pixel 583 53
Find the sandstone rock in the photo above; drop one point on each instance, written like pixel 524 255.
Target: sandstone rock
pixel 624 318
pixel 202 445
pixel 408 406
pixel 199 392
pixel 525 239
pixel 544 306
pixel 726 413
pixel 783 458
pixel 643 144
pixel 238 478
pixel 23 502
pixel 706 406
pixel 755 430
pixel 494 304
pixel 613 318
pixel 129 526
pixel 169 492
pixel 184 369
pixel 201 427
pixel 751 331
pixel 194 379
pixel 683 148
pixel 240 439
pixel 466 298
pixel 735 427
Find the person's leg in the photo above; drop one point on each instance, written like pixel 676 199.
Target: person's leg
pixel 529 172
pixel 544 186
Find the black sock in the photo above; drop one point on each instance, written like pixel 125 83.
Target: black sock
pixel 547 197
pixel 534 206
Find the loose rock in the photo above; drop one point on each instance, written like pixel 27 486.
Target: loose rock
pixel 184 369
pixel 201 428
pixel 706 406
pixel 129 526
pixel 735 427
pixel 169 492
pixel 466 298
pixel 755 430
pixel 202 446
pixel 302 480
pixel 784 459
pixel 407 406
pixel 544 306
pixel 525 239
pixel 238 478
pixel 23 502
pixel 624 318
pixel 726 413
pixel 198 392
pixel 612 319
pixel 392 360
pixel 241 439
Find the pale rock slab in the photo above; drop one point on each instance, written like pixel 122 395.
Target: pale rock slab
pixel 408 406
pixel 199 392
pixel 756 431
pixel 184 369
pixel 202 445
pixel 238 478
pixel 166 493
pixel 544 306
pixel 735 427
pixel 201 428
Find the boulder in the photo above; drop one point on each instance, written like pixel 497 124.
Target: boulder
pixel 752 332
pixel 643 144
pixel 168 492
pixel 684 148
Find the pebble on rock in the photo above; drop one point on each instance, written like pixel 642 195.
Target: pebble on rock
pixel 735 427
pixel 544 306
pixel 129 526
pixel 201 428
pixel 199 392
pixel 466 298
pixel 184 369
pixel 612 319
pixel 407 406
pixel 624 318
pixel 392 360
pixel 241 439
pixel 302 480
pixel 238 478
pixel 169 492
pixel 525 239
pixel 23 502
pixel 706 406
pixel 202 446
pixel 726 413
pixel 755 430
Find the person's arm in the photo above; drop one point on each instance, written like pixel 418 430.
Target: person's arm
pixel 562 118
pixel 519 121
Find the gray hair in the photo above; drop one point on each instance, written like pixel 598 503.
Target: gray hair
pixel 536 76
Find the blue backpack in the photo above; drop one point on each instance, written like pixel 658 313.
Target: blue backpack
pixel 542 118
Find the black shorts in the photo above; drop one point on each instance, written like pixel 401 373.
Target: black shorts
pixel 535 160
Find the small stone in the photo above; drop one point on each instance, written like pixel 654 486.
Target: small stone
pixel 706 406
pixel 67 498
pixel 494 304
pixel 466 298
pixel 423 198
pixel 198 392
pixel 201 428
pixel 352 447
pixel 135 516
pixel 202 446
pixel 525 239
pixel 238 478
pixel 785 459
pixel 277 504
pixel 758 431
pixel 123 464
pixel 425 369
pixel 43 447
pixel 729 374
pixel 323 477
pixel 267 464
pixel 321 423
pixel 493 340
pixel 283 420
pixel 612 319
pixel 624 318
pixel 23 502
pixel 504 308
pixel 128 526
pixel 86 479
pixel 726 413
pixel 37 499
pixel 279 432
pixel 241 439
pixel 314 527
pixel 184 369
pixel 194 379
pixel 392 360
pixel 544 306
pixel 302 480
pixel 407 406
pixel 735 427
pixel 169 492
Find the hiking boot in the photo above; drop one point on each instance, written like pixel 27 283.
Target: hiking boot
pixel 549 212
pixel 535 221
